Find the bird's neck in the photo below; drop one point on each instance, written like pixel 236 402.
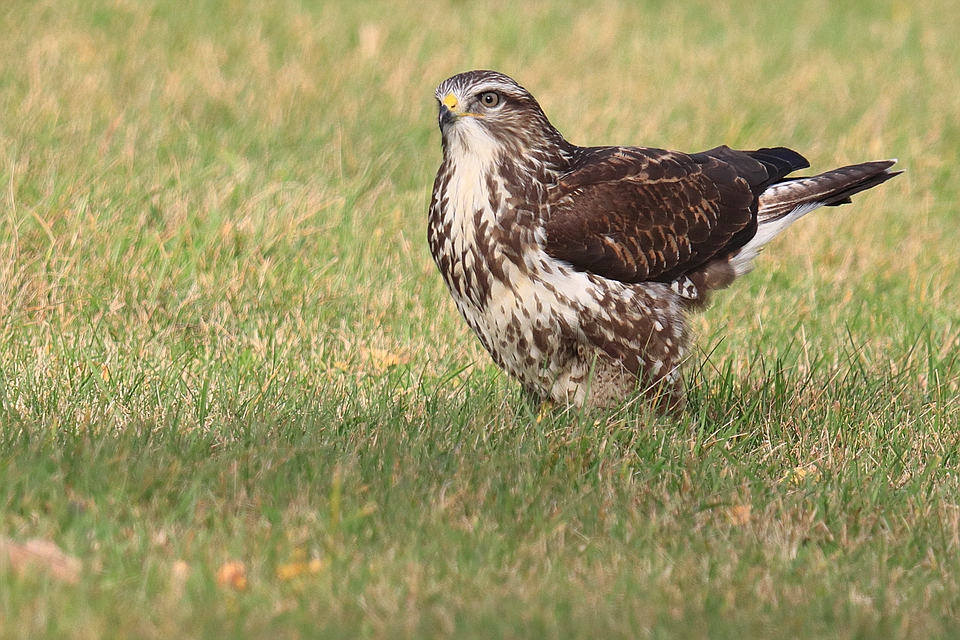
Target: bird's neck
pixel 474 151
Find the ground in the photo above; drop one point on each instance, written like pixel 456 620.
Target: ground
pixel 235 393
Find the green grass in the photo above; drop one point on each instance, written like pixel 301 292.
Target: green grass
pixel 222 337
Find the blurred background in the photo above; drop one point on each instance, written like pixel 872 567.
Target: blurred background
pixel 217 172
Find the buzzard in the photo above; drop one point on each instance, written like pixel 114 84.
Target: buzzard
pixel 577 266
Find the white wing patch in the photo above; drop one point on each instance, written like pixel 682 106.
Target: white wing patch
pixel 742 261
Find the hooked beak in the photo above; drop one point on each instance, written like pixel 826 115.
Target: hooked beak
pixel 448 106
pixel 450 111
pixel 446 116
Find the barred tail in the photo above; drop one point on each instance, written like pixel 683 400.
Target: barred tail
pixel 785 202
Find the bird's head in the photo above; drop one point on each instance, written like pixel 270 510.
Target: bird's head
pixel 488 113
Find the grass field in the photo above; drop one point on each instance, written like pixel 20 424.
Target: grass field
pixel 234 389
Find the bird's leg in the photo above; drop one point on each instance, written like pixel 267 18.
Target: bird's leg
pixel 667 398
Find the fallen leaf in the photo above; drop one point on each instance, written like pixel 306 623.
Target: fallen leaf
pixel 296 569
pixel 232 574
pixel 800 473
pixel 41 555
pixel 383 359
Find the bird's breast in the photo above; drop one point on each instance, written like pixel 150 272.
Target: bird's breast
pixel 467 237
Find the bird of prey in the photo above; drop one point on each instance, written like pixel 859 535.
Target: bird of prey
pixel 577 266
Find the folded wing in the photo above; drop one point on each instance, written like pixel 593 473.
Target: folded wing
pixel 640 214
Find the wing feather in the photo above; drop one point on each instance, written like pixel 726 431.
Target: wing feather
pixel 639 214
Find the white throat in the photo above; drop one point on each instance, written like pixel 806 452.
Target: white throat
pixel 473 153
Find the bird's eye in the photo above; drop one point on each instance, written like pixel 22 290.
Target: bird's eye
pixel 489 99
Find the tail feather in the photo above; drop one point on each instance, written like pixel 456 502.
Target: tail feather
pixel 829 189
pixel 785 202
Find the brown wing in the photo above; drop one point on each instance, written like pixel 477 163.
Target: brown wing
pixel 640 214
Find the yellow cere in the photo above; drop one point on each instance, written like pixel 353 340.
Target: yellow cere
pixel 450 101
